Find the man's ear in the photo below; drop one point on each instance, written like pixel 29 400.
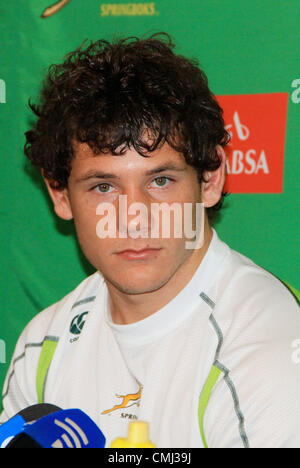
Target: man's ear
pixel 61 200
pixel 211 190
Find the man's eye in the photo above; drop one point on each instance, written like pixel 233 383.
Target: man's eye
pixel 161 181
pixel 103 188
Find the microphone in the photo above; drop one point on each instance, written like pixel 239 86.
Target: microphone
pixel 70 428
pixel 16 424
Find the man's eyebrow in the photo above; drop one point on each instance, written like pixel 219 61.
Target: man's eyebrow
pixel 96 175
pixel 106 175
pixel 166 167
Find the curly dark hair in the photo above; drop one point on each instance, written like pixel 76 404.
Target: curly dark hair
pixel 107 94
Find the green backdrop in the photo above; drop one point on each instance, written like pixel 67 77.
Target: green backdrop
pixel 245 47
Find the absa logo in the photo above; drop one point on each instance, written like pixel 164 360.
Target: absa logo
pixel 255 154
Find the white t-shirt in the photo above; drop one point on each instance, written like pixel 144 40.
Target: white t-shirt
pixel 214 367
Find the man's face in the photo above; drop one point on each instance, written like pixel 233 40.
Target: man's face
pixel 164 176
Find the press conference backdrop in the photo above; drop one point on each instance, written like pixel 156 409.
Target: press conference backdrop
pixel 250 52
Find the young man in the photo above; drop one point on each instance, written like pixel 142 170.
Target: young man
pixel 195 341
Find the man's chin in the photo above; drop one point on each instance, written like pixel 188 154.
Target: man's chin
pixel 136 287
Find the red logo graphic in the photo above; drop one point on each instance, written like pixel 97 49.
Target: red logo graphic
pixel 255 154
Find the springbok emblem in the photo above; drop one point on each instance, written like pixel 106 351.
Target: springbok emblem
pixel 51 10
pixel 127 400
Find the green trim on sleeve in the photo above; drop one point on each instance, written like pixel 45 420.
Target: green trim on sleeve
pixel 294 291
pixel 204 398
pixel 47 352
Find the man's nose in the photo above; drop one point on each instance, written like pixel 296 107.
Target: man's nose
pixel 134 211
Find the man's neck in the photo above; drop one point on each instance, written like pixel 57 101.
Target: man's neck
pixel 131 308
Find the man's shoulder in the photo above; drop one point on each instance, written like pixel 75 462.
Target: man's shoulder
pixel 244 280
pixel 51 320
pixel 254 313
pixel 248 299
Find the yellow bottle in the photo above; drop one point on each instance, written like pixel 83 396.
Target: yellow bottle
pixel 138 437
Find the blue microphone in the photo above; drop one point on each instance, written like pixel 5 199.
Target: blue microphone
pixel 70 428
pixel 16 424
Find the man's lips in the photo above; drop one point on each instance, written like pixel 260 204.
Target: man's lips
pixel 138 254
